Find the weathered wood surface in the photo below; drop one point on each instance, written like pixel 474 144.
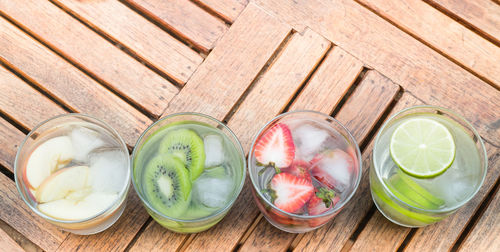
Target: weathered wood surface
pixel 131 61
pixel 7 243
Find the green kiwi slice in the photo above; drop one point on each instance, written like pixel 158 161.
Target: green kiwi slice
pixel 186 145
pixel 167 185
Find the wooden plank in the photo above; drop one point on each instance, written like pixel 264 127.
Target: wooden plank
pixel 91 52
pixel 227 9
pixel 185 19
pixel 54 75
pixel 443 34
pixel 270 94
pixel 450 229
pixel 483 16
pixel 406 61
pixel 8 244
pixel 20 239
pixel 484 236
pixel 330 82
pixel 132 30
pixel 10 138
pixel 224 76
pixel 158 238
pixel 334 235
pixel 23 103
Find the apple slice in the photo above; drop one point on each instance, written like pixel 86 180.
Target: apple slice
pixel 61 183
pixel 46 158
pixel 67 209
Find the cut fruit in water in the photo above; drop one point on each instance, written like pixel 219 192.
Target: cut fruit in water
pixel 300 169
pixel 167 185
pixel 196 212
pixel 422 147
pixel 188 147
pixel 61 183
pixel 68 209
pixel 214 150
pixel 333 168
pixel 47 158
pixel 323 200
pixel 291 192
pixel 276 146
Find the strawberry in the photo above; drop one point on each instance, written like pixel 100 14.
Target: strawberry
pixel 323 200
pixel 300 169
pixel 290 193
pixel 333 168
pixel 276 146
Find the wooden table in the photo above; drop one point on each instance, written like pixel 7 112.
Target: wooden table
pixel 243 62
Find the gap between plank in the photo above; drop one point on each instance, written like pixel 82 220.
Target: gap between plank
pixel 138 234
pixel 78 66
pixel 350 91
pixel 5 171
pixel 115 42
pixel 442 53
pixel 464 22
pixel 211 11
pixel 248 232
pixel 407 240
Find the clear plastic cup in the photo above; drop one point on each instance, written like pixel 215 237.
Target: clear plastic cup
pixel 61 126
pixel 341 140
pixel 427 200
pixel 234 162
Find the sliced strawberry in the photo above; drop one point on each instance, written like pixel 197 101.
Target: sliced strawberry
pixel 333 168
pixel 276 146
pixel 323 200
pixel 300 169
pixel 291 192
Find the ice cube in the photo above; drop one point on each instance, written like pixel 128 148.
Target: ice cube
pixel 333 169
pixel 214 150
pixel 84 141
pixel 308 140
pixel 212 192
pixel 108 170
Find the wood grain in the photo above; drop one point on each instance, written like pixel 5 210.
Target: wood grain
pixel 54 75
pixel 444 34
pixel 158 238
pixel 484 236
pixel 23 103
pixel 335 234
pixel 132 30
pixel 20 239
pixel 185 19
pixel 483 16
pixel 91 52
pixel 219 82
pixel 10 138
pixel 406 61
pixel 330 82
pixel 271 92
pixel 227 9
pixel 8 244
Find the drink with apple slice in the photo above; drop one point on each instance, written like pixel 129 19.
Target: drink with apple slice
pixel 73 170
pixel 304 167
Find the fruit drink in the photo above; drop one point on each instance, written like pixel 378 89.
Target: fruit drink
pixel 305 167
pixel 188 173
pixel 427 162
pixel 74 171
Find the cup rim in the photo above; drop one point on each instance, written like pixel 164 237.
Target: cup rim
pixel 121 194
pixel 238 147
pixel 338 206
pixel 467 124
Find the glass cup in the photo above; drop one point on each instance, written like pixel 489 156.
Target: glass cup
pixel 415 202
pixel 75 129
pixel 212 192
pixel 320 143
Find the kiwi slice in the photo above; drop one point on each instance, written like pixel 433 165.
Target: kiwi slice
pixel 186 145
pixel 167 185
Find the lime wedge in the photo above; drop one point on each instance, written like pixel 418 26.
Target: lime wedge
pixel 422 147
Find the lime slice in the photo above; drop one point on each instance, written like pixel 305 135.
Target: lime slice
pixel 422 147
pixel 408 191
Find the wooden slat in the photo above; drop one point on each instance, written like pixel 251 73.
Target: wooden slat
pixel 19 238
pixel 336 234
pixel 92 52
pixel 23 103
pixel 158 238
pixel 8 244
pixel 483 16
pixel 224 76
pixel 55 75
pixel 444 34
pixel 227 9
pixel 129 28
pixel 484 236
pixel 406 61
pixel 330 82
pixel 185 19
pixel 11 138
pixel 270 94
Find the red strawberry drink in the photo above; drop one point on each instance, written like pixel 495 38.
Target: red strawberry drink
pixel 304 166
